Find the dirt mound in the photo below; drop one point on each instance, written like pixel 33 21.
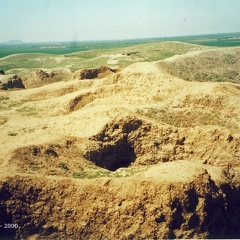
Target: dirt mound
pixel 144 208
pixel 93 73
pixel 80 101
pixel 62 158
pixel 221 65
pixel 39 77
pixel 131 141
pixel 8 82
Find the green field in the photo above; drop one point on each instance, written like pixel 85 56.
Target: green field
pixel 216 40
pixel 79 55
pixel 113 57
pixel 66 47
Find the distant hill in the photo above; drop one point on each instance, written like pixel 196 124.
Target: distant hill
pixel 13 42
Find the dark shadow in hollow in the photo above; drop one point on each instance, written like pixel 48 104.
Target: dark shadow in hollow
pixel 112 157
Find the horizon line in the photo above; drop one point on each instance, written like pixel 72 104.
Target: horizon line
pixel 115 40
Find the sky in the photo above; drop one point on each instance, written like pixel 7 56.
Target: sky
pixel 83 20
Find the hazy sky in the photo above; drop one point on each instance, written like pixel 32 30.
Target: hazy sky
pixel 68 20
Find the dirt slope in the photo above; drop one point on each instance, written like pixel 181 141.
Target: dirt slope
pixel 137 154
pixel 217 65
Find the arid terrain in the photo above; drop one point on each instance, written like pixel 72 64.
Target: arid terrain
pixel 138 148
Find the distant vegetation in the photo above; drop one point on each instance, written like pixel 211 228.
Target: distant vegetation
pixel 218 40
pixel 80 55
pixel 65 47
pixel 214 40
pixel 114 57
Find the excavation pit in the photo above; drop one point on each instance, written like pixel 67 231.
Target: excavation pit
pixel 112 157
pixel 113 147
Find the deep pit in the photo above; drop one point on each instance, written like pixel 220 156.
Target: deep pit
pixel 114 148
pixel 113 156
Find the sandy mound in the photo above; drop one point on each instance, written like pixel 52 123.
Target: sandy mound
pixel 37 78
pixel 219 65
pixel 137 154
